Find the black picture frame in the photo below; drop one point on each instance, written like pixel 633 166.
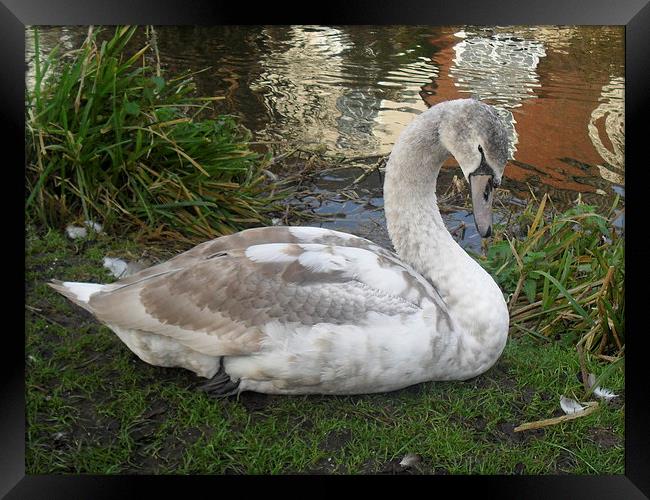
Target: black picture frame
pixel 15 15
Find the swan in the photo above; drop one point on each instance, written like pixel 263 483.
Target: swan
pixel 300 310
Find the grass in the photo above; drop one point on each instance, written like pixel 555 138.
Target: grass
pixel 564 276
pixel 94 407
pixel 113 139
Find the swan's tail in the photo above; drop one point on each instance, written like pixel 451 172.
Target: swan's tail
pixel 79 293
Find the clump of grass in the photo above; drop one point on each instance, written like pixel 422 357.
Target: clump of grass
pixel 565 278
pixel 111 138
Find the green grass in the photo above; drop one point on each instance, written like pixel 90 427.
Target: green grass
pixel 564 276
pixel 111 138
pixel 94 407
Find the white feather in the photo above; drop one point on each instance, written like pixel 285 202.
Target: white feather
pixel 570 406
pixel 591 380
pixel 269 252
pixel 307 233
pixel 117 267
pixel 75 232
pixel 410 460
pixel 605 394
pixel 600 392
pixel 367 266
pixel 320 262
pixel 95 226
pixel 83 291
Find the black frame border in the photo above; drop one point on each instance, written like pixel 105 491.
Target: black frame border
pixel 15 15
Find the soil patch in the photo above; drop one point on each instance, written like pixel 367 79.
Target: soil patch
pixel 604 437
pixel 336 440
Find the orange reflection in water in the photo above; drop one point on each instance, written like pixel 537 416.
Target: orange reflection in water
pixel 568 123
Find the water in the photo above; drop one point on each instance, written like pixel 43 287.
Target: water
pixel 353 89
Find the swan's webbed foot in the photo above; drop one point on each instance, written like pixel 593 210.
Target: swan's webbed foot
pixel 220 385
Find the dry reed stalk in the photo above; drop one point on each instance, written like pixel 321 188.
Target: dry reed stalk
pixel 591 407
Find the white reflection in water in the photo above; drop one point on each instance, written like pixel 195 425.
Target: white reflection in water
pixel 500 69
pixel 316 92
pixel 64 38
pixel 611 110
pixel 397 110
pixel 299 85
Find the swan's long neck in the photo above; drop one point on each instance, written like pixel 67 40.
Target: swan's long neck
pixel 421 239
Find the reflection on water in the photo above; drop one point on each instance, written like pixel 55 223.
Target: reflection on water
pixel 318 88
pixel 499 69
pixel 301 83
pixel 355 88
pixel 611 144
pixel 546 82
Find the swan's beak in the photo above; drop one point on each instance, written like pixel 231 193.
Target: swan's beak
pixel 481 186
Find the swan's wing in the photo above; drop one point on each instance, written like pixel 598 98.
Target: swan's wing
pixel 222 304
pixel 259 236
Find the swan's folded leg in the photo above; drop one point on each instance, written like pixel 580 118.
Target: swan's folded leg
pixel 220 385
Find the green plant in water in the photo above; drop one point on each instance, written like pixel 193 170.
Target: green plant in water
pixel 110 138
pixel 565 277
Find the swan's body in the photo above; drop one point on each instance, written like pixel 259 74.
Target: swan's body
pixel 296 310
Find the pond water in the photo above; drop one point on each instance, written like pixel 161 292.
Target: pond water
pixel 353 89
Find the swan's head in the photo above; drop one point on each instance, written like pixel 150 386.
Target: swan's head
pixel 474 133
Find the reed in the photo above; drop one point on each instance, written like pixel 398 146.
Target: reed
pixel 564 278
pixel 110 138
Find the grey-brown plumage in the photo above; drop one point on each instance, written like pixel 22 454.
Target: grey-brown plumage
pixel 215 299
pixel 229 295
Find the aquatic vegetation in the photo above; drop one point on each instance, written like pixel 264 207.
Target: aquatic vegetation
pixel 565 277
pixel 111 138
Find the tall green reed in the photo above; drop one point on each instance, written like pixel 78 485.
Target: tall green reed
pixel 111 138
pixel 565 277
